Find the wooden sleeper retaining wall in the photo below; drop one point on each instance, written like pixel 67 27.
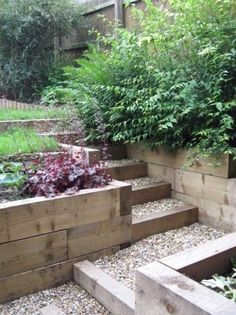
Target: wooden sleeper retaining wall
pixel 162 288
pixel 212 189
pixel 39 235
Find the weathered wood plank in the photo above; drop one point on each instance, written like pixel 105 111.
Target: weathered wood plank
pixel 161 290
pixel 125 197
pixel 92 155
pixel 152 192
pixel 179 159
pixel 31 253
pixel 164 172
pixel 154 223
pixel 116 297
pixel 92 237
pixel 206 259
pixel 128 171
pixel 43 278
pixel 51 309
pixel 30 217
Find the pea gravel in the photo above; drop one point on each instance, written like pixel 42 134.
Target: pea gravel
pixel 69 298
pixel 142 181
pixel 156 206
pixel 122 162
pixel 73 300
pixel 123 264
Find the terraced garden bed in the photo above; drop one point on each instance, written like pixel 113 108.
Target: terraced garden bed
pixel 174 281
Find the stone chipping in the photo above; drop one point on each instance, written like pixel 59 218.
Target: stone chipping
pixel 73 300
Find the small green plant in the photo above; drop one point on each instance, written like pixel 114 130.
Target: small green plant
pixel 20 140
pixel 224 285
pixel 12 175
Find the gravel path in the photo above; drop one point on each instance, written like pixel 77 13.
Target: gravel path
pixel 123 264
pixel 142 181
pixel 69 298
pixel 122 162
pixel 73 300
pixel 156 206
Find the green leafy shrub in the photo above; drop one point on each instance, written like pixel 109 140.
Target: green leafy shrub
pixel 27 31
pixel 170 83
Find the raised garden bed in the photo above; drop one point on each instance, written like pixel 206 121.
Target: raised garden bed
pixel 40 236
pixel 172 285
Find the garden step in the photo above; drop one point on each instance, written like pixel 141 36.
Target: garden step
pixel 115 296
pixel 70 138
pixel 124 172
pixel 154 223
pixel 40 125
pixel 151 192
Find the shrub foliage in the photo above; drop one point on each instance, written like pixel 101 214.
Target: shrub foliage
pixel 27 30
pixel 171 82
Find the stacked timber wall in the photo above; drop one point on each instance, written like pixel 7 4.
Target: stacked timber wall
pixel 40 239
pixel 98 15
pixel 212 189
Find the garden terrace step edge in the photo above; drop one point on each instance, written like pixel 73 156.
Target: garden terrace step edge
pixel 172 284
pixel 152 192
pixel 115 296
pixel 129 171
pixel 154 223
pixel 160 290
pixel 39 279
pixel 40 125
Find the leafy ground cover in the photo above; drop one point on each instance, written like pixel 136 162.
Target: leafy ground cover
pixel 20 140
pixel 36 113
pixel 50 175
pixel 225 285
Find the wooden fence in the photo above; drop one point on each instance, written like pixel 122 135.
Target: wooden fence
pixel 4 103
pixel 95 10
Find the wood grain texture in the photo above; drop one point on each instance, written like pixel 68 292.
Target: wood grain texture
pixel 125 197
pixel 116 297
pixel 179 159
pixel 206 259
pixel 155 223
pixel 152 192
pixel 31 253
pixel 43 278
pixel 124 172
pixel 30 217
pixel 161 290
pixel 92 237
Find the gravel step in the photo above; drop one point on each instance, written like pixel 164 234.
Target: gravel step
pixel 117 298
pixel 123 264
pixel 124 172
pixel 73 300
pixel 160 222
pixel 150 192
pixel 156 207
pixel 143 181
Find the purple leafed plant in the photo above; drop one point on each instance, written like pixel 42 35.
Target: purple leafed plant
pixel 54 175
